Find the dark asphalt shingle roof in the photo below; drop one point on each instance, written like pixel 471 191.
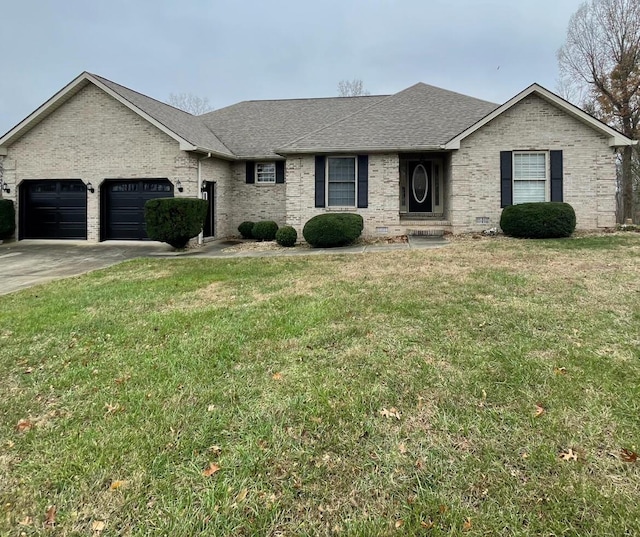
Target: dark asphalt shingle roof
pixel 256 128
pixel 419 117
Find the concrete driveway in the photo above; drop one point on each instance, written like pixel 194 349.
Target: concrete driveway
pixel 27 263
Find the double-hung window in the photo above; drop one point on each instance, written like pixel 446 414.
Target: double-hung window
pixel 530 175
pixel 341 181
pixel 265 173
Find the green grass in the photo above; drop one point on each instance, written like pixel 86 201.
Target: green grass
pixel 290 373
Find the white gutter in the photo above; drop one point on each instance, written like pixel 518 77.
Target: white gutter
pixel 200 159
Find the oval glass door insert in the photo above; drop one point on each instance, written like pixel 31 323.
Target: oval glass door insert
pixel 419 183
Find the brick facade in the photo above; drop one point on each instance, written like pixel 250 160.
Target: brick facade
pixel 255 201
pixel 533 124
pixel 94 137
pixel 382 210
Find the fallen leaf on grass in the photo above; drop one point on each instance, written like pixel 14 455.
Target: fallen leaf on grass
pixel 399 523
pixel 467 525
pixel 626 455
pixel 402 448
pixel 111 409
pixel 569 455
pixel 97 526
pixel 242 495
pixel 24 425
pixel 26 521
pixel 539 411
pixel 560 370
pixel 50 517
pixel 427 525
pixel 115 485
pixel 391 413
pixel 210 470
pixel 277 376
pixel 211 408
pixel 443 509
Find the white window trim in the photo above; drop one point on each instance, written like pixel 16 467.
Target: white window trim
pixel 275 172
pixel 547 172
pixel 326 182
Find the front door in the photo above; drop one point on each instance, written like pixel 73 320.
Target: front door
pixel 420 187
pixel 210 223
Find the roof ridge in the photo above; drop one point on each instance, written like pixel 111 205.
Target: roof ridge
pixel 381 101
pixel 384 99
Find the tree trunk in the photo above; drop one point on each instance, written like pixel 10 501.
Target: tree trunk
pixel 627 184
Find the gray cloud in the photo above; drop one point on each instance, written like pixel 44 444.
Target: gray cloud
pixel 229 52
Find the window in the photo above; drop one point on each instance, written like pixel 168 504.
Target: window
pixel 341 181
pixel 265 172
pixel 529 177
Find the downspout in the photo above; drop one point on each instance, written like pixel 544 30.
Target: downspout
pixel 200 159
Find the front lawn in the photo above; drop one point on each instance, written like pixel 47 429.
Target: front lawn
pixel 488 388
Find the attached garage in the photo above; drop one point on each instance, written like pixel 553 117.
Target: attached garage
pixel 53 209
pixel 123 206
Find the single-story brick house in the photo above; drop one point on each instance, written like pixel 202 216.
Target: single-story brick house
pixel 419 161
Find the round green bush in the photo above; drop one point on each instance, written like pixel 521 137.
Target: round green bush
pixel 7 219
pixel 544 220
pixel 286 236
pixel 333 229
pixel 265 230
pixel 175 220
pixel 245 229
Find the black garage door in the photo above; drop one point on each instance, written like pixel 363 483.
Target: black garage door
pixel 53 209
pixel 123 206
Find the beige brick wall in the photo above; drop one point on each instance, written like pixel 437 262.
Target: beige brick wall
pixel 255 202
pixel 219 172
pixel 94 137
pixel 383 210
pixel 533 124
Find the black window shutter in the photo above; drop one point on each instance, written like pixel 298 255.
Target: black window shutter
pixel 320 186
pixel 556 175
pixel 363 181
pixel 279 171
pixel 506 179
pixel 251 173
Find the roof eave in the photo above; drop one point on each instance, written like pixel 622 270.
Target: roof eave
pixel 211 152
pixel 378 149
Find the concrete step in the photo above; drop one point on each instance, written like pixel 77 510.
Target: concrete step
pixel 426 232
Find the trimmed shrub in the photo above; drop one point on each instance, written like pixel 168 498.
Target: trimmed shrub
pixel 543 220
pixel 245 229
pixel 333 229
pixel 175 220
pixel 265 230
pixel 7 219
pixel 286 236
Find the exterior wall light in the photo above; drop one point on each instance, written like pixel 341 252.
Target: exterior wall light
pixel 5 187
pixel 90 187
pixel 179 186
pixel 204 186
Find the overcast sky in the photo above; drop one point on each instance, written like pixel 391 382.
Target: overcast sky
pixel 232 51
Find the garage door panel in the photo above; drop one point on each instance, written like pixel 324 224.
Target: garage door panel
pixel 53 209
pixel 123 206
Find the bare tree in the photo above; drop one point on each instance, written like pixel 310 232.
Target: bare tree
pixel 190 103
pixel 352 88
pixel 600 63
